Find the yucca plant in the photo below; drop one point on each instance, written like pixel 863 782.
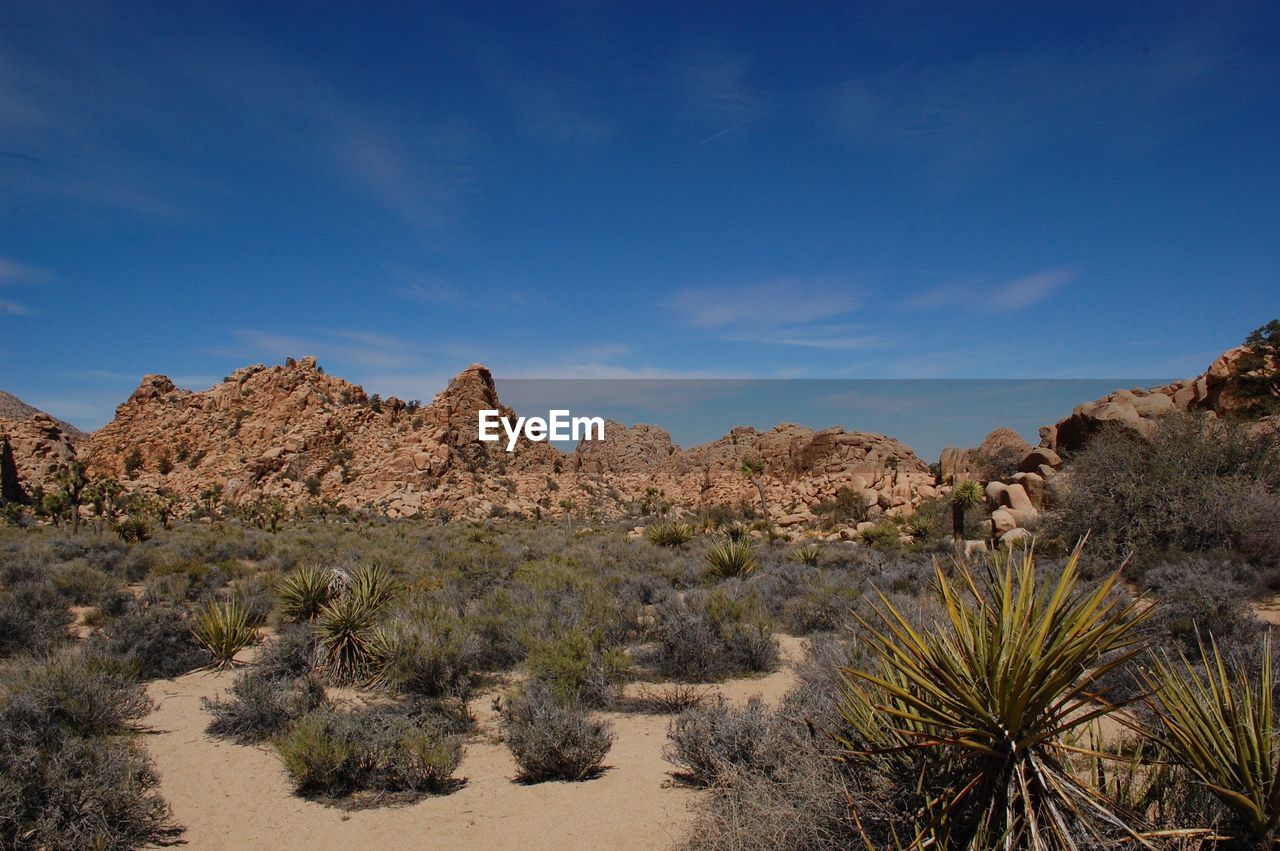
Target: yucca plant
pixel 966 495
pixel 224 630
pixel 304 593
pixel 979 713
pixel 372 585
pixel 1221 726
pixel 807 554
pixel 732 558
pixel 669 533
pixel 347 632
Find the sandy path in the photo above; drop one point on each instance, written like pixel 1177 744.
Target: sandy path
pixel 233 796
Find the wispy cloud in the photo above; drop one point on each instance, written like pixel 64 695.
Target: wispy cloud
pixel 719 96
pixel 773 304
pixel 963 116
pixel 13 272
pixel 1001 297
pixel 93 125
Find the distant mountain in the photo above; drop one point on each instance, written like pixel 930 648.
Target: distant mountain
pixel 13 408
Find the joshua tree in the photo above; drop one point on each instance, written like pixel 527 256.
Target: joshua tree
pixel 211 496
pixel 72 480
pixel 11 489
pixel 274 510
pixel 753 469
pixel 109 491
pixel 967 494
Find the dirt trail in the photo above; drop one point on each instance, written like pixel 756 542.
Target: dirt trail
pixel 236 797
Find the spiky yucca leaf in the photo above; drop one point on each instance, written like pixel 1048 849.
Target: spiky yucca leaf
pixel 303 593
pixel 347 634
pixel 669 533
pixel 224 630
pixel 807 554
pixel 983 707
pixel 1222 727
pixel 372 585
pixel 731 558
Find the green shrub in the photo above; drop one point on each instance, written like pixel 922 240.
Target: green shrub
pixel 433 655
pixel 884 535
pixel 550 740
pixel 970 721
pixel 80 583
pixel 346 630
pixel 330 753
pixel 577 670
pixel 1221 726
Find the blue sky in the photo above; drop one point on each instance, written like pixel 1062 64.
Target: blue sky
pixel 652 190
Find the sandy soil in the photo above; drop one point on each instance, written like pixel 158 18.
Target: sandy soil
pixel 237 797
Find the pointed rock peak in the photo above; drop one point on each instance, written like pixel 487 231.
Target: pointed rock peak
pixel 152 387
pixel 473 388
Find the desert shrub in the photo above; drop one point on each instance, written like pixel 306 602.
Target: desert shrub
pixel 291 654
pixel 103 553
pixel 711 635
pixel 551 740
pixel 157 639
pixel 80 583
pixel 498 623
pixel 33 618
pixel 1186 489
pixel 669 533
pixel 1196 598
pixel 775 780
pixel 259 705
pixel 255 597
pixel 577 669
pixel 1200 596
pixel 731 559
pixel 223 629
pixel 884 535
pixel 330 753
pixel 71 778
pixel 706 741
pixel 431 654
pixel 804 807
